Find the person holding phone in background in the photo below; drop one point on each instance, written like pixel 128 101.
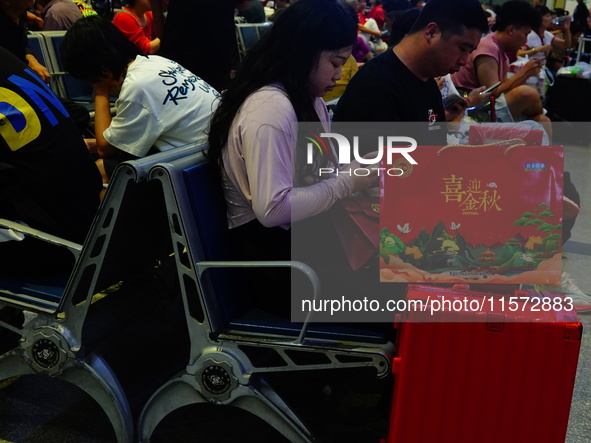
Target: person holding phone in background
pixel 489 64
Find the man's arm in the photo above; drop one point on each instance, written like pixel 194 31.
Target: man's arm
pixel 38 68
pixel 534 50
pixel 102 119
pixel 365 29
pixel 487 72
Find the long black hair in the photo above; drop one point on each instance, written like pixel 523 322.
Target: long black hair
pixel 286 54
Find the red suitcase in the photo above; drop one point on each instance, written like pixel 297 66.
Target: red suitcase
pixel 502 375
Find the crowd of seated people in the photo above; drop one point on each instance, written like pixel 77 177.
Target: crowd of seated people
pixel 166 98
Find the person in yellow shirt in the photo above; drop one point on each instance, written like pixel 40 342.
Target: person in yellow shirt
pixel 350 67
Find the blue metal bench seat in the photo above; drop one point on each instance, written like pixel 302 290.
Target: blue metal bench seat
pixel 128 235
pixel 231 342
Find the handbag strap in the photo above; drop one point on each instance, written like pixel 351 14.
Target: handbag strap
pixel 509 144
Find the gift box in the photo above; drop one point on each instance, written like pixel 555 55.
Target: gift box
pixel 474 215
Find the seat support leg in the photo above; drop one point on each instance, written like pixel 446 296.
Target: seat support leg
pixel 176 393
pixel 97 379
pixel 93 376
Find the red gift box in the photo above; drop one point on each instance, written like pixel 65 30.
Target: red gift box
pixel 475 215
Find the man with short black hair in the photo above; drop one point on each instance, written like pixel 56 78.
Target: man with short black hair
pixel 160 106
pixel 399 85
pixel 489 64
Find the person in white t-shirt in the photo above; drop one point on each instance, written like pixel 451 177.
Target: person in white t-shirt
pixel 270 181
pixel 161 105
pixel 541 41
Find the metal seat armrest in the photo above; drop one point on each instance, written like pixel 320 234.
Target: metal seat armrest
pixel 74 248
pixel 202 266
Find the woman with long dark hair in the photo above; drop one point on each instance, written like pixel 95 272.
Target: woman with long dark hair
pixel 268 180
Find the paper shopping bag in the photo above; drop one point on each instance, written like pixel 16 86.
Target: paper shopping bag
pixel 474 215
pixel 356 222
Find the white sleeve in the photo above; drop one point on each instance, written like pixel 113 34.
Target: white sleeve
pixel 372 25
pixel 134 129
pixel 532 40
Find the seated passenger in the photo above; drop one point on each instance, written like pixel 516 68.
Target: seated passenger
pixel 13 36
pixel 161 104
pixel 59 15
pixel 47 177
pixel 377 13
pixel 266 181
pixel 489 64
pixel 540 41
pixel 135 22
pixel 399 85
pixel 367 27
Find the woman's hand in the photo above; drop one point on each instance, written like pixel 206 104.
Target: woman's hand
pixel 364 176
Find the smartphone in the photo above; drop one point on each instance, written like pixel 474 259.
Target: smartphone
pixel 487 90
pixel 451 99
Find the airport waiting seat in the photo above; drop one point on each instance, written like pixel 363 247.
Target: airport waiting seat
pixel 37 44
pixel 129 235
pixel 248 34
pixel 234 348
pixel 73 89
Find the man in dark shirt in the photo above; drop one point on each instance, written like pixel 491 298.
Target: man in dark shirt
pixel 47 178
pixel 399 85
pixel 13 35
pixel 205 46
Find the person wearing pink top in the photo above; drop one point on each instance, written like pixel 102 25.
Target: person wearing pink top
pixel 489 64
pixel 135 22
pixel 489 46
pixel 270 184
